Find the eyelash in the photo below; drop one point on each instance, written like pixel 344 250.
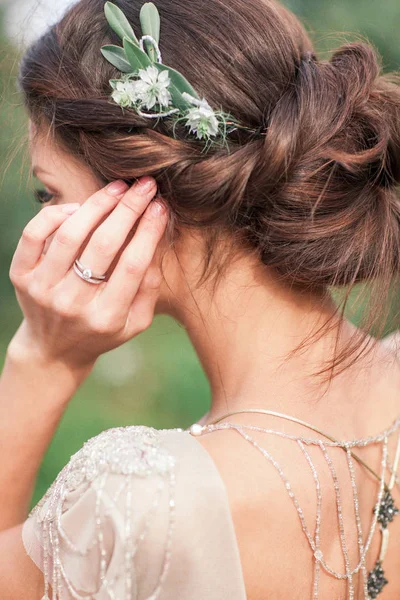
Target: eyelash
pixel 42 196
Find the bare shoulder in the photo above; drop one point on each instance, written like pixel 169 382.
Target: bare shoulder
pixel 392 341
pixel 267 523
pixel 264 518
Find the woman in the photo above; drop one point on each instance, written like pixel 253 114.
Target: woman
pixel 248 239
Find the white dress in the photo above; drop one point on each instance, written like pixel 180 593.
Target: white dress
pixel 137 513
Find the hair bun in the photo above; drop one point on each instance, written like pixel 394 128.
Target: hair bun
pixel 327 209
pixel 371 103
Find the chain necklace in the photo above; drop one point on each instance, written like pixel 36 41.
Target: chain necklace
pixel 384 510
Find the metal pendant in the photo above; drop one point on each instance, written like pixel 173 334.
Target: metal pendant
pixel 376 581
pixel 387 510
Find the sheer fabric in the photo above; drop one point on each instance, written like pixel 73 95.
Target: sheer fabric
pixel 102 528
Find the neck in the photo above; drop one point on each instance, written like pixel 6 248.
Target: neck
pixel 244 333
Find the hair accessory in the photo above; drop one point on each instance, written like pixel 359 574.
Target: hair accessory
pixel 147 84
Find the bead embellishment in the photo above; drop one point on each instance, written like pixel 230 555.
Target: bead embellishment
pixel 133 451
pixel 387 510
pixel 196 429
pixel 383 513
pixel 376 581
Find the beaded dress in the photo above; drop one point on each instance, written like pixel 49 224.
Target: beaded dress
pixel 143 514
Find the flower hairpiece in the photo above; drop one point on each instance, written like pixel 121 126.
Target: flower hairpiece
pixel 147 84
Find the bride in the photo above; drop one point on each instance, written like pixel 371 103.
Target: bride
pixel 200 161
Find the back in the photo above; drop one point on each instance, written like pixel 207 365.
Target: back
pixel 276 554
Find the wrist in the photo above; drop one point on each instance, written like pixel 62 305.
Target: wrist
pixel 28 357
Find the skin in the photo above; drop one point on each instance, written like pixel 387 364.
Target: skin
pixel 252 321
pixel 249 302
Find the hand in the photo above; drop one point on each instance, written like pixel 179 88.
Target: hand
pixel 66 318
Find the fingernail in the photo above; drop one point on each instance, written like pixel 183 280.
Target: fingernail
pixel 157 208
pixel 144 184
pixel 117 187
pixel 69 209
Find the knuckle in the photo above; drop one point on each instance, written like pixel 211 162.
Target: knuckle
pixel 65 237
pixel 129 203
pixel 102 324
pixel 103 245
pixel 63 306
pixel 37 293
pixel 153 225
pixel 14 278
pixel 134 265
pixel 30 233
pixel 101 199
pixel 145 322
pixel 148 223
pixel 152 281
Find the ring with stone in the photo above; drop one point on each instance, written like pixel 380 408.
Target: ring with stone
pixel 87 274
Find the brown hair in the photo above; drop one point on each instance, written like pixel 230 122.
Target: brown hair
pixel 315 198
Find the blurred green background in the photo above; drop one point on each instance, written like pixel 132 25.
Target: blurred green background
pixel 155 379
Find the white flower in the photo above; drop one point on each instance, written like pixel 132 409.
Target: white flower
pixel 201 118
pixel 124 92
pixel 152 87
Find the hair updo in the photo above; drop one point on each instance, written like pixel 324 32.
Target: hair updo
pixel 315 198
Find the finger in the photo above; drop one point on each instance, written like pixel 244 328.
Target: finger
pixel 110 236
pixel 33 240
pixel 141 313
pixel 128 274
pixel 69 238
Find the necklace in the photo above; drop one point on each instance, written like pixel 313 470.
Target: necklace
pixel 384 509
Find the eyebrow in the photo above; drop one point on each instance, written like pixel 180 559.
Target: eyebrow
pixel 36 169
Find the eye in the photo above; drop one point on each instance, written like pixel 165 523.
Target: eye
pixel 42 196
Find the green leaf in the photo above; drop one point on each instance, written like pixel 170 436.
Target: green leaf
pixel 137 58
pixel 150 22
pixel 119 23
pixel 117 57
pixel 178 85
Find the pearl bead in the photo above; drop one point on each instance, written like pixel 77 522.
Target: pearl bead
pixel 196 429
pixel 318 554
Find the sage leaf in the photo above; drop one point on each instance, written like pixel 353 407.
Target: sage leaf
pixel 137 58
pixel 178 81
pixel 150 23
pixel 117 57
pixel 119 23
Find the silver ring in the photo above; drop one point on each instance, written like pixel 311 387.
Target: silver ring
pixel 86 273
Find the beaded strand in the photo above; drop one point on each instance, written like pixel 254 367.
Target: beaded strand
pixel 132 451
pixel 384 508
